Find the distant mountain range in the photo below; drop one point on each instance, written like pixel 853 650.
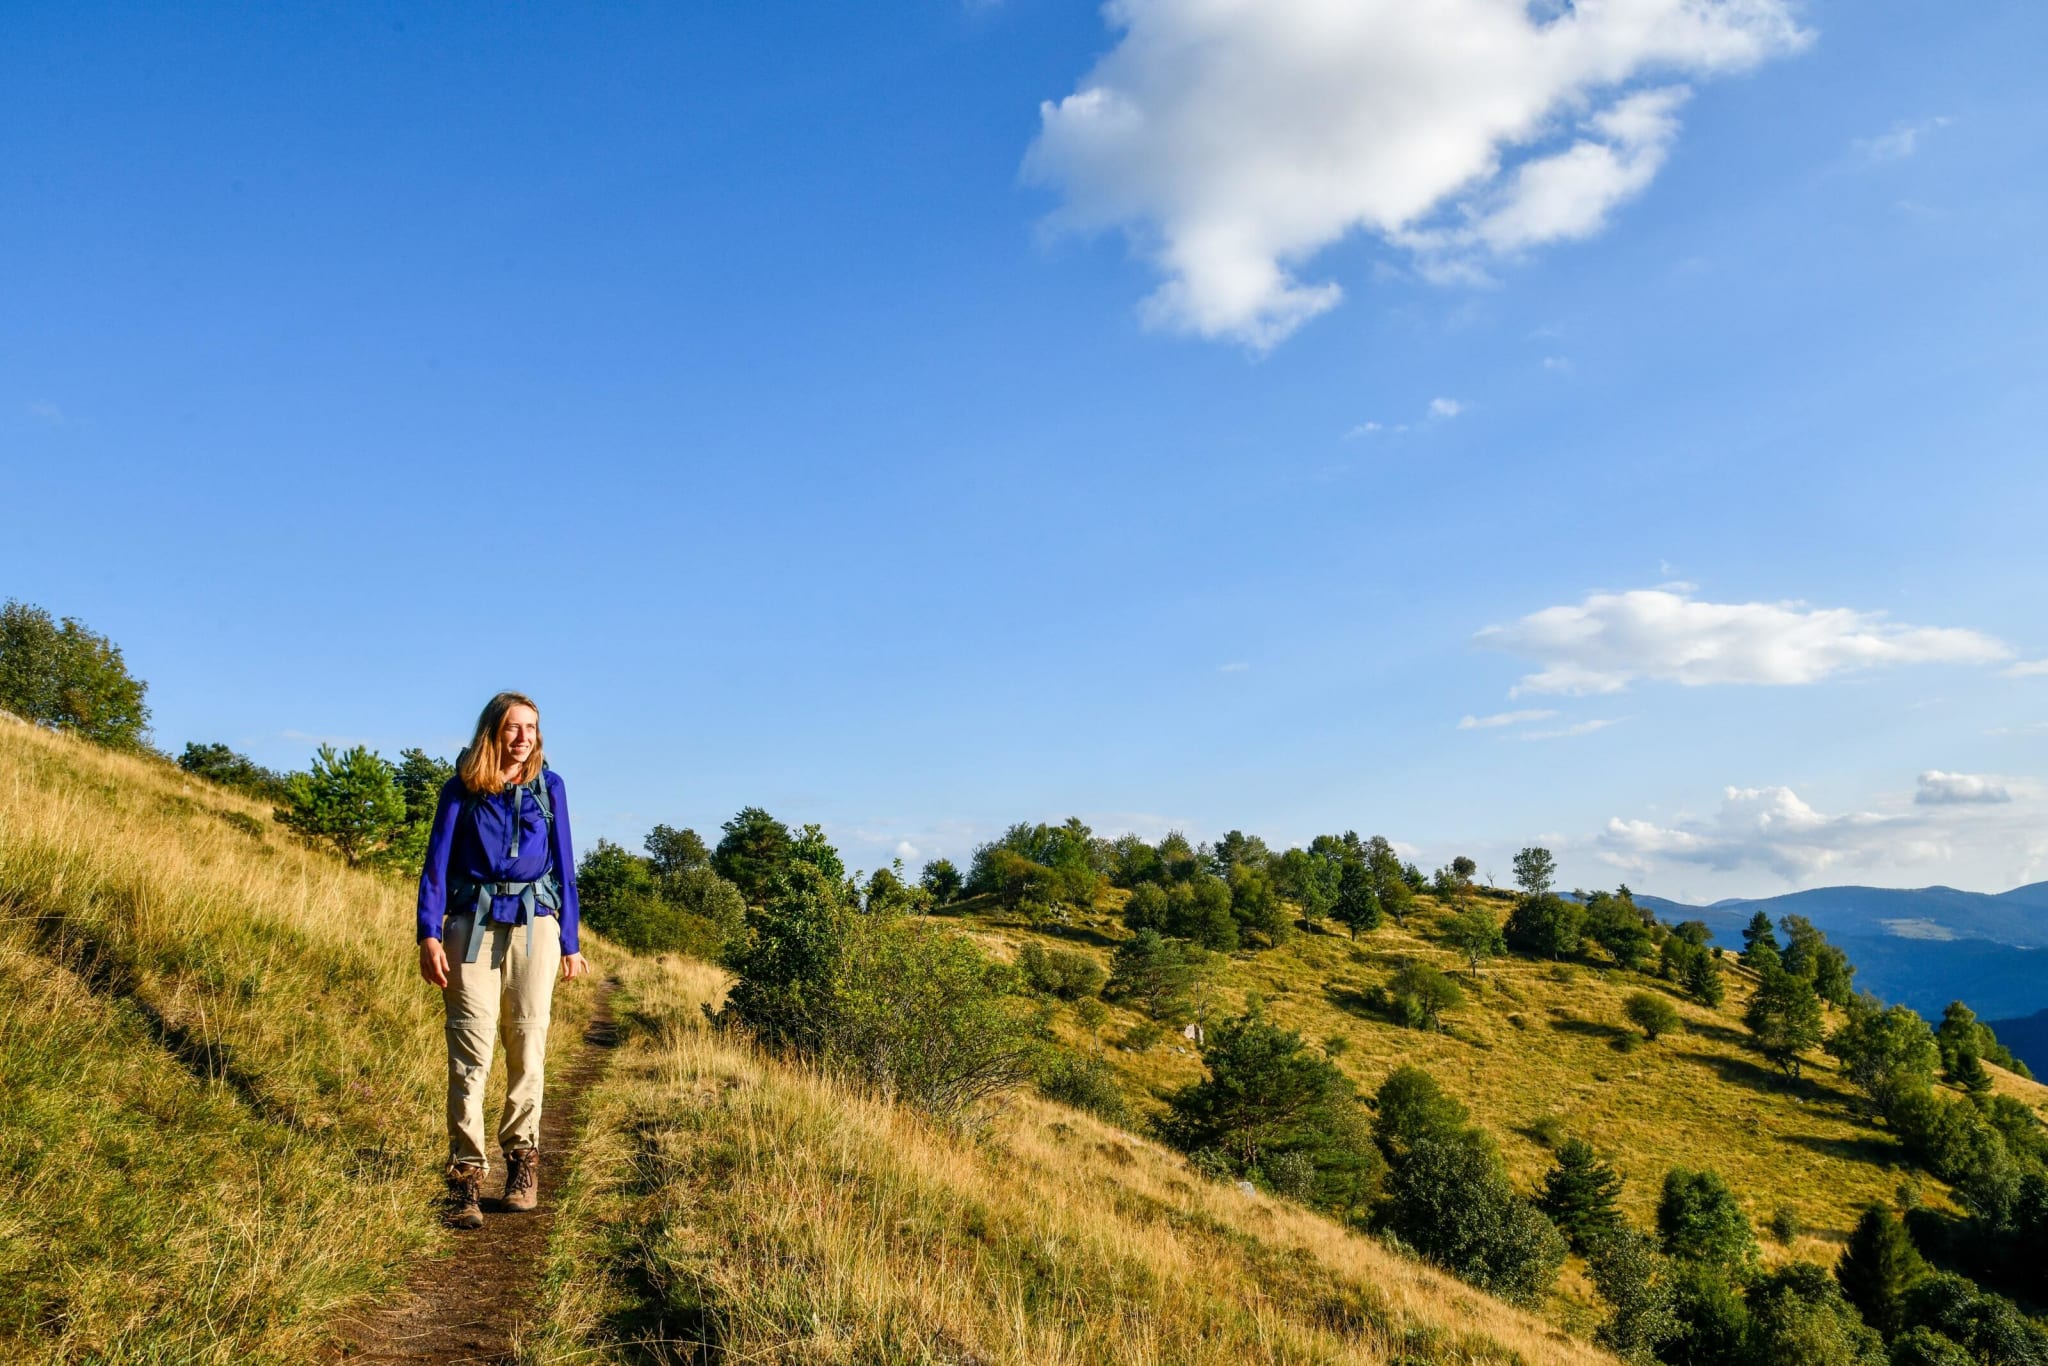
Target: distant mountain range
pixel 1922 947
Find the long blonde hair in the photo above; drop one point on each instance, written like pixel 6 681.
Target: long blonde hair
pixel 483 762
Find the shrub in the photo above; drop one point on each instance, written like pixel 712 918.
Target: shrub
pixel 1651 1013
pixel 219 764
pixel 1142 1036
pixel 1269 1097
pixel 1409 1107
pixel 1450 1200
pixel 1066 973
pixel 1700 1219
pixel 1784 1225
pixel 1797 1313
pixel 1633 1277
pixel 1421 993
pixel 1084 1081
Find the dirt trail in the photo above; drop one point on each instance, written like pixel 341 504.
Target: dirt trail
pixel 463 1307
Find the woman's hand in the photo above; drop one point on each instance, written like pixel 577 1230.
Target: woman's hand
pixel 573 967
pixel 433 963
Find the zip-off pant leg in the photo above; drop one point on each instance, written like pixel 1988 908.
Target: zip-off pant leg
pixel 504 994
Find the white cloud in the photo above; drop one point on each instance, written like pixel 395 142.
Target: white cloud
pixel 906 851
pixel 1772 830
pixel 1235 139
pixel 1766 826
pixel 1235 666
pixel 1557 364
pixel 1445 408
pixel 1938 788
pixel 1901 142
pixel 1363 429
pixel 1576 728
pixel 2027 668
pixel 1504 718
pixel 46 412
pixel 1610 640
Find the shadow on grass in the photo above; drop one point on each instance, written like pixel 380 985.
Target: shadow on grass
pixel 1760 1076
pixel 1876 1149
pixel 1619 1039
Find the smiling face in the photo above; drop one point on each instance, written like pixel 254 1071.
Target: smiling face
pixel 518 733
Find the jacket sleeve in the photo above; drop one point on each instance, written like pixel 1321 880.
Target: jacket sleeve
pixel 434 869
pixel 565 867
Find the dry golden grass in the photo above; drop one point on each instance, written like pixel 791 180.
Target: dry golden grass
pixel 726 1198
pixel 1538 1043
pixel 220 1076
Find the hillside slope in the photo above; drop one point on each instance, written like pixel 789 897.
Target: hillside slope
pixel 730 1207
pixel 220 1076
pixel 220 1133
pixel 1542 1050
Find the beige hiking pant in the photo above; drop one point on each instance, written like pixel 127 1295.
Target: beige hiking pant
pixel 504 993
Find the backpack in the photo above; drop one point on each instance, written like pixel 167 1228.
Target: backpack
pixel 546 890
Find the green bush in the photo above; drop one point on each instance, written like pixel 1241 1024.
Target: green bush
pixel 1700 1220
pixel 1450 1200
pixel 1651 1013
pixel 1269 1096
pixel 219 764
pixel 1066 973
pixel 902 1006
pixel 1084 1081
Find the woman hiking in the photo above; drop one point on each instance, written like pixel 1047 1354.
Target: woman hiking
pixel 497 922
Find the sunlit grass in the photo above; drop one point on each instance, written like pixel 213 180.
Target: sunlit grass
pixel 732 1199
pixel 220 1077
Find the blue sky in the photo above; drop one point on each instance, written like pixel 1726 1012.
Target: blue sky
pixel 916 418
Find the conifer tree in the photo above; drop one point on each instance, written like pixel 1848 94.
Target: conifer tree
pixel 1579 1194
pixel 1703 979
pixel 1878 1267
pixel 1759 932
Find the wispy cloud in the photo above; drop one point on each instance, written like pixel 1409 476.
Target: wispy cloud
pixel 1233 142
pixel 1504 718
pixel 1610 640
pixel 1445 408
pixel 1235 666
pixel 2027 668
pixel 1900 143
pixel 47 413
pixel 1577 728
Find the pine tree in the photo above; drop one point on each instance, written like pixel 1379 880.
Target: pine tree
pixel 1785 1019
pixel 1878 1267
pixel 1579 1194
pixel 1759 932
pixel 1703 979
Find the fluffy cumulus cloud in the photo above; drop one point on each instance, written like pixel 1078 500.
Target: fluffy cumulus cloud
pixel 1963 838
pixel 1610 640
pixel 1234 139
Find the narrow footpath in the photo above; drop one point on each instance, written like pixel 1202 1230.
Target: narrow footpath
pixel 463 1306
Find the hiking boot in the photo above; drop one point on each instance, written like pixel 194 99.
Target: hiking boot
pixel 465 1180
pixel 522 1179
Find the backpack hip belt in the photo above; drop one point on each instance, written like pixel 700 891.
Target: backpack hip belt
pixel 477 897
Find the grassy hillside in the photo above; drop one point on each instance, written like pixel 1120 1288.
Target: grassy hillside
pixel 220 1076
pixel 727 1201
pixel 1542 1050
